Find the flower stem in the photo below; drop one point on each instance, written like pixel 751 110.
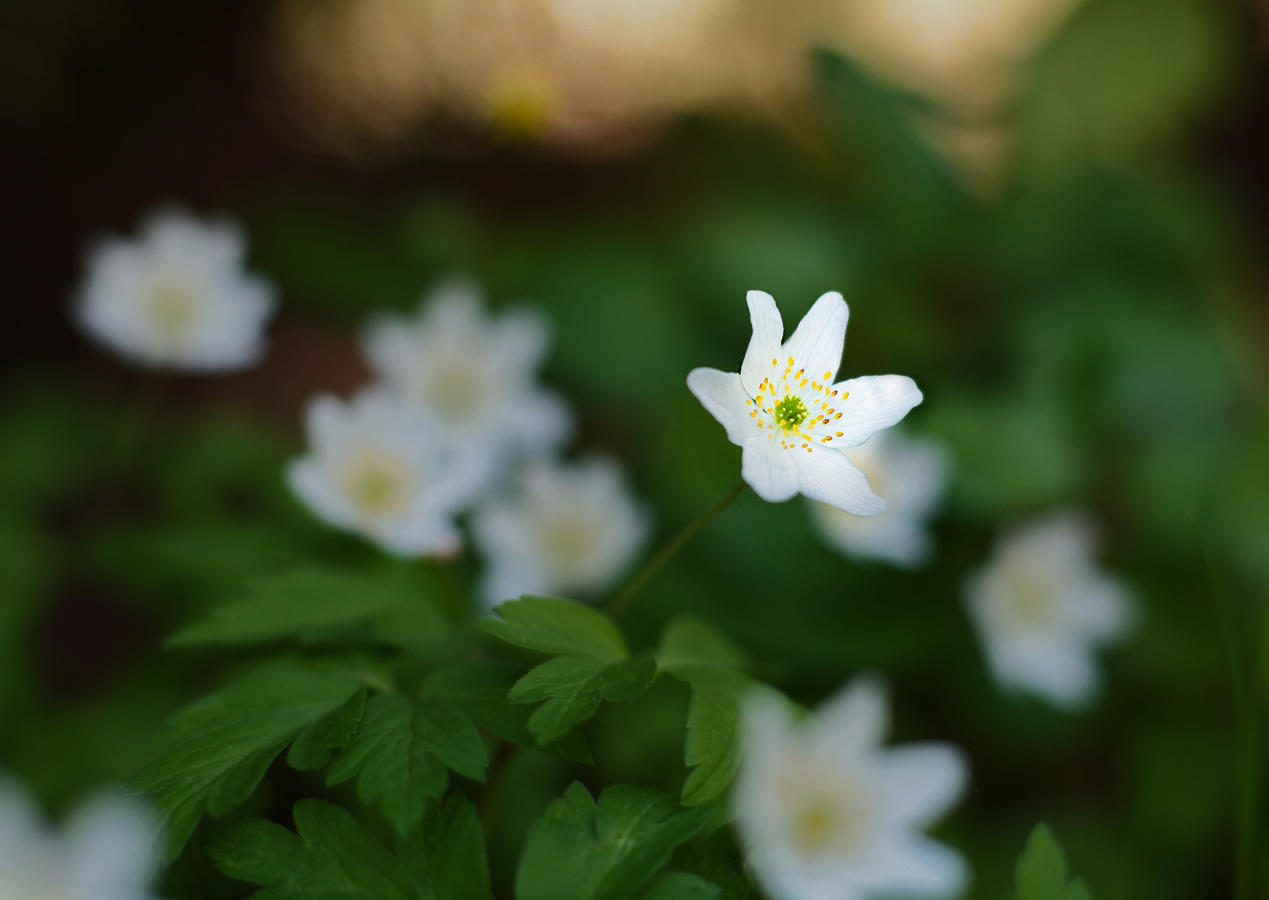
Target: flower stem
pixel 669 551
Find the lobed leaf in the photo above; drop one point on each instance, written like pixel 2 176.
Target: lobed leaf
pixel 554 626
pixel 446 856
pixel 218 748
pixel 401 752
pixel 574 686
pixel 583 850
pixel 696 654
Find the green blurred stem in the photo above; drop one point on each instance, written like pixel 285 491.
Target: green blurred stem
pixel 669 551
pixel 1244 672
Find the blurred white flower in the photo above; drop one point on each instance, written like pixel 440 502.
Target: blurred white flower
pixel 825 813
pixel 473 377
pixel 570 528
pixel 1042 607
pixel 177 297
pixel 375 467
pixel 107 850
pixel 789 417
pixel 911 474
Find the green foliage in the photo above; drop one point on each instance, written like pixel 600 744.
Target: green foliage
pixel 583 850
pixel 591 663
pixel 331 854
pixel 218 748
pixel 320 603
pixel 710 664
pixel 400 753
pixel 1041 873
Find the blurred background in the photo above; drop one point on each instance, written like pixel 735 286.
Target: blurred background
pixel 1051 213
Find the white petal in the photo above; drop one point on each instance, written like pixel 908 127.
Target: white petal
pixel 855 719
pixel 113 847
pixel 874 402
pixel 1062 673
pixel 723 396
pixel 764 345
pixel 1103 608
pixel 769 470
pixel 324 419
pixel 917 867
pixel 828 476
pixel 816 345
pixel 920 782
pixel 310 485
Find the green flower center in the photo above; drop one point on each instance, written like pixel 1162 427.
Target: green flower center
pixel 790 412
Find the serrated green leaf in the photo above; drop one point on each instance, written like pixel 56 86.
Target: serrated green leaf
pixel 331 856
pixel 400 753
pixel 312 603
pixel 315 746
pixel 479 688
pixel 554 626
pixel 681 886
pixel 1041 872
pixel 446 857
pixel 218 748
pixel 696 654
pixel 580 850
pixel 574 686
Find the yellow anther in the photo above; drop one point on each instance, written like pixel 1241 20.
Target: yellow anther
pixel 828 375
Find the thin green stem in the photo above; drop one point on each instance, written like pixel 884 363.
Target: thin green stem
pixel 669 551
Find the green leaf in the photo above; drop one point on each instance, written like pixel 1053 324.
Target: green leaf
pixel 1041 872
pixel 696 654
pixel 312 603
pixel 580 850
pixel 681 886
pixel 554 626
pixel 446 857
pixel 400 754
pixel 331 856
pixel 591 663
pixel 479 688
pixel 219 747
pixel 574 686
pixel 316 745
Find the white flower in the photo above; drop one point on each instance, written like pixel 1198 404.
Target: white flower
pixel 177 297
pixel 1041 608
pixel 790 418
pixel 825 813
pixel 472 376
pixel 106 851
pixel 375 467
pixel 569 529
pixel 911 475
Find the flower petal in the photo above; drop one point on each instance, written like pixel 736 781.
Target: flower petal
pixel 919 782
pixel 855 719
pixel 828 476
pixel 915 866
pixel 816 345
pixel 764 345
pixel 769 470
pixel 723 397
pixel 874 402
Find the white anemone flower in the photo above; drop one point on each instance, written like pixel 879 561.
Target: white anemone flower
pixel 107 850
pixel 789 416
pixel 826 813
pixel 375 467
pixel 1042 607
pixel 472 376
pixel 177 297
pixel 569 529
pixel 911 474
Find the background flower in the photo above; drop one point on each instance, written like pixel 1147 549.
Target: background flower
pixel 1042 607
pixel 569 529
pixel 826 812
pixel 376 467
pixel 177 297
